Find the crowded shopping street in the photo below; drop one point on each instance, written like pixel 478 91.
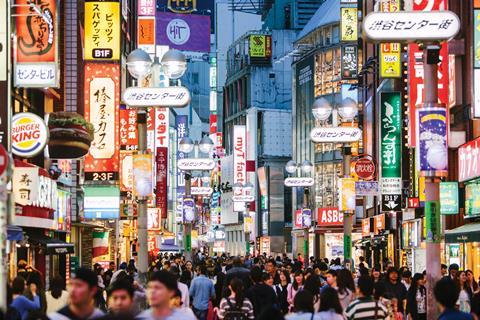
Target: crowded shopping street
pixel 240 159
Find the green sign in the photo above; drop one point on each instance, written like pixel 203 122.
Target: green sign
pixel 188 243
pixel 448 197
pixel 432 217
pixel 391 134
pixel 472 200
pixel 347 246
pixel 74 264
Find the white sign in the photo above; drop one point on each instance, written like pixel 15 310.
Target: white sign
pixel 102 116
pixel 196 164
pixel 239 156
pixel 35 75
pixel 391 185
pixel 170 97
pixel 178 31
pixel 299 182
pixel 29 134
pixel 201 191
pixel 243 198
pixel 411 25
pixel 335 135
pixel 32 189
pixel 366 188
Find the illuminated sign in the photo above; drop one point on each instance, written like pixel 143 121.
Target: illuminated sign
pixel 29 134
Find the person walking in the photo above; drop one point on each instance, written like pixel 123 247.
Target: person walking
pixel 57 296
pixel 330 307
pixel 294 287
pixel 260 294
pixel 281 290
pixel 417 298
pixel 345 287
pixel 238 271
pixel 365 307
pixel 446 292
pixel 236 306
pixel 20 303
pixel 395 289
pixel 463 302
pixel 120 298
pixel 201 291
pixel 302 306
pixel 81 295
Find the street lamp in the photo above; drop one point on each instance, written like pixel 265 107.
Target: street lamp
pixel 139 64
pixel 321 109
pixel 174 64
pixel 348 110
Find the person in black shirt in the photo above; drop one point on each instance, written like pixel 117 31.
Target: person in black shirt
pixel 395 289
pixel 260 294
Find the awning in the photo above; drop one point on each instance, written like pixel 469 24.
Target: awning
pixel 467 233
pixel 51 246
pixel 14 233
pixel 170 247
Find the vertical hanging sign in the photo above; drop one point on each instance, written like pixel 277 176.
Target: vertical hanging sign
pixel 161 160
pixel 390 66
pixel 390 143
pixel 181 124
pixel 239 155
pixel 4 84
pixel 349 24
pixel 476 60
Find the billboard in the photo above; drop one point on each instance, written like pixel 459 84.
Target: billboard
pixel 185 32
pixel 102 97
pixel 36 50
pixel 101 202
pixel 349 62
pixel 102 30
pixel 260 48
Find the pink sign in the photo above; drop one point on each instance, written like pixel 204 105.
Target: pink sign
pixel 469 160
pixel 146 7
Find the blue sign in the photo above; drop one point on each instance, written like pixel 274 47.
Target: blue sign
pixel 181 125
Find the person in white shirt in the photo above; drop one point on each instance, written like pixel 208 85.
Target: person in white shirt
pixel 57 296
pixel 182 287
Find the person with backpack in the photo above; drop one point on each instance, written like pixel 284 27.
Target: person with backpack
pixel 236 306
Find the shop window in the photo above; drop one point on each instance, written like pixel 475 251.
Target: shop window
pixel 336 34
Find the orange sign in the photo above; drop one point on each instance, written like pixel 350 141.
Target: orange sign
pixel 366 227
pixel 379 223
pixel 36 26
pixel 146 31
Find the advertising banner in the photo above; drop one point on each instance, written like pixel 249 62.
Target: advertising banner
pixel 472 200
pixel 153 219
pixel 102 30
pixel 181 123
pixel 213 123
pixel 348 24
pixel 366 227
pixel 390 64
pixel 366 188
pixel 29 134
pixel 349 62
pixel 146 7
pixel 449 197
pixel 432 217
pixel 126 171
pixel 101 202
pixel 390 142
pixel 306 217
pixel 328 217
pixel 260 48
pixel 161 128
pixel 346 189
pixel 142 175
pixel 185 32
pixel 102 97
pixel 476 61
pixel 161 198
pixel 188 209
pixel 239 156
pixel 298 219
pixel 146 31
pixel 304 83
pixel 128 128
pixel 432 146
pixel 36 50
pixel 469 160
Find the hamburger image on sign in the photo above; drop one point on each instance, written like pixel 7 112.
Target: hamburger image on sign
pixel 29 134
pixel 70 135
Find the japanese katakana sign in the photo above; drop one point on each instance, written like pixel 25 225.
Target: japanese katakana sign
pixel 390 52
pixel 102 30
pixel 335 135
pixel 196 164
pixel 170 97
pixel 36 43
pixel 299 182
pixel 411 25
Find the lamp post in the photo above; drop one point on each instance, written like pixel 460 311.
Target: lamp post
pixel 246 196
pixel 139 65
pixel 306 167
pixel 347 110
pixel 187 145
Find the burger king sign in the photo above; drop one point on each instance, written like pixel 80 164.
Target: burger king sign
pixel 29 134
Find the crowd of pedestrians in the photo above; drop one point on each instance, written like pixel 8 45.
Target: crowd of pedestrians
pixel 240 288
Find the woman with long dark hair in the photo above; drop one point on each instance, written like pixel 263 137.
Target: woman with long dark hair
pixel 472 285
pixel 302 306
pixel 57 296
pixel 281 290
pixel 330 307
pixel 236 304
pixel 313 284
pixel 417 298
pixel 346 287
pixel 463 302
pixel 294 287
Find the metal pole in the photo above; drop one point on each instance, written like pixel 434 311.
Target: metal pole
pixel 187 230
pixel 142 202
pixel 247 233
pixel 432 194
pixel 305 230
pixel 347 216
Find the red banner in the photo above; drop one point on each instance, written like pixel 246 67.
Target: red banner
pixel 161 185
pixel 213 123
pixel 329 217
pixel 128 129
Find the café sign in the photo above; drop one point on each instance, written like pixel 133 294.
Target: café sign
pixel 170 97
pixel 335 135
pixel 411 25
pixel 196 164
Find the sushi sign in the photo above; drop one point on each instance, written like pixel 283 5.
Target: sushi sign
pixel 29 134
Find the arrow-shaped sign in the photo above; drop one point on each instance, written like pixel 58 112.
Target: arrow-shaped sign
pixel 391 204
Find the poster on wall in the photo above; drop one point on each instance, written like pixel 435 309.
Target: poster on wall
pixel 449 198
pixel 36 49
pixel 102 97
pixel 102 30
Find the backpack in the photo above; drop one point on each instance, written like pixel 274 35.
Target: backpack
pixel 234 313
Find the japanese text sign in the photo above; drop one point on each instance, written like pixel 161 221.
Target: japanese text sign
pixel 162 123
pixel 476 63
pixel 349 24
pixel 102 30
pixel 469 160
pixel 448 197
pixel 349 62
pixel 472 199
pixel 390 141
pixel 181 124
pixel 161 160
pixel 169 97
pixel 126 171
pixel 390 66
pixel 260 46
pixel 142 175
pixel 146 7
pixel 146 31
pixel 102 96
pixel 36 47
pixel 128 128
pixel 335 134
pixel 411 25
pixel 432 147
pixel 327 217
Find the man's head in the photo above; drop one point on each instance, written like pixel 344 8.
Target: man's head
pixel 120 297
pixel 83 287
pixel 237 261
pixel 22 265
pixel 361 259
pixel 365 286
pixel 332 278
pixel 202 269
pixel 111 266
pixel 270 266
pixel 446 293
pixel 18 285
pixel 256 274
pixel 161 288
pixel 444 269
pixel 453 269
pixel 392 275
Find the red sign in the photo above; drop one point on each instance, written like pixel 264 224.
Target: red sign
pixel 161 160
pixel 365 168
pixel 128 129
pixel 469 160
pixel 413 202
pixel 3 160
pixel 415 70
pixel 329 217
pixel 213 123
pixel 298 219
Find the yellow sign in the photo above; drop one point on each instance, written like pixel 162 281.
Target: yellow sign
pixel 346 189
pixel 260 46
pixel 102 30
pixel 390 60
pixel 247 224
pixel 349 24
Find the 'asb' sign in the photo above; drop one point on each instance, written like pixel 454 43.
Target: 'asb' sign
pixel 329 217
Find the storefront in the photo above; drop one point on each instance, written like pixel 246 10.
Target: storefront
pixel 412 242
pixel 377 242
